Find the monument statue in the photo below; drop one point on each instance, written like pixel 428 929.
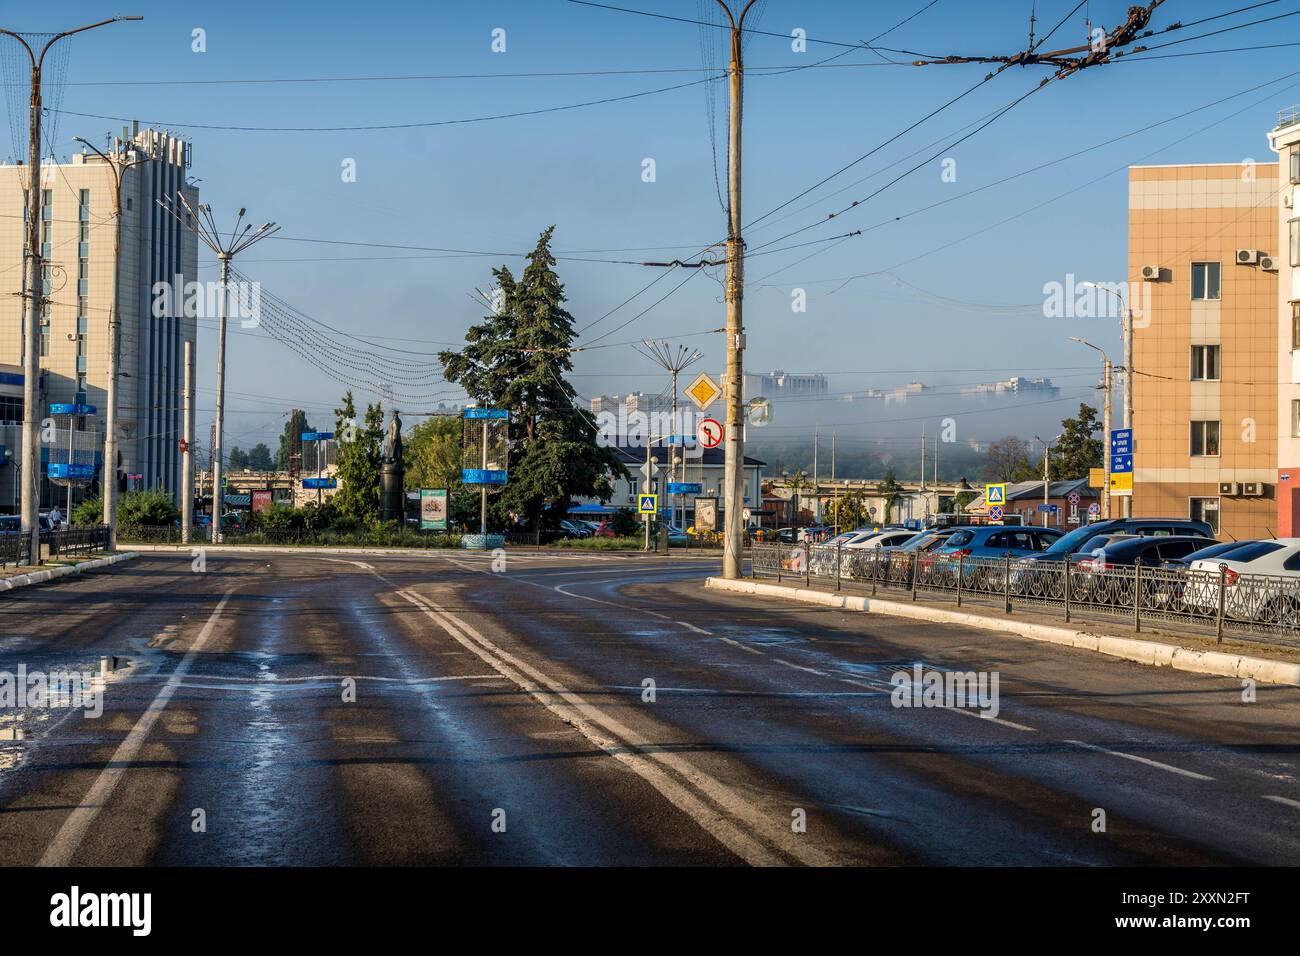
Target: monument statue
pixel 392 474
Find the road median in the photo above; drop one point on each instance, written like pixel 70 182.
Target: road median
pixel 43 575
pixel 1154 653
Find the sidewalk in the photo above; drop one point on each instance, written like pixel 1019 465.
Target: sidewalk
pixel 1232 658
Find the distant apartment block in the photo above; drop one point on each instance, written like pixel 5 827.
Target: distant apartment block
pixel 1037 387
pixel 1205 344
pixel 77 226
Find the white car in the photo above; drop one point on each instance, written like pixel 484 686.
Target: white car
pixel 1261 582
pixel 888 538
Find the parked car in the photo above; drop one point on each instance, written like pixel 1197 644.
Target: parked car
pixel 574 529
pixel 1034 574
pixel 13 524
pixel 1106 575
pixel 995 541
pixel 1204 554
pixel 1261 583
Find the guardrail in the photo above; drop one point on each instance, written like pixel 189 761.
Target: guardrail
pixel 1247 606
pixel 76 541
pixel 15 549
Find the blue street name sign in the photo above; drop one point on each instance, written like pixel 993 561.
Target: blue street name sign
pixel 487 413
pixel 482 476
pixel 314 483
pixel 75 472
pixel 317 436
pixel 684 487
pixel 72 408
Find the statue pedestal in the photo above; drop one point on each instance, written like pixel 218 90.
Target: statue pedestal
pixel 392 481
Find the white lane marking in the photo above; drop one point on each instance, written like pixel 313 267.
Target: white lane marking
pixel 993 720
pixel 73 830
pixel 639 754
pixel 559 589
pixel 698 630
pixel 1283 800
pixel 197 679
pixel 743 647
pixel 1150 763
pixel 800 667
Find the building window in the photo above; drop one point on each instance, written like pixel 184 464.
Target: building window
pixel 1207 510
pixel 1205 439
pixel 1295 418
pixel 1295 167
pixel 1295 325
pixel 1205 280
pixel 1205 363
pixel 1295 241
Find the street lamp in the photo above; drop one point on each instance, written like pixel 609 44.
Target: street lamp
pixel 1046 449
pixel 31 454
pixel 1126 367
pixel 1107 374
pixel 109 471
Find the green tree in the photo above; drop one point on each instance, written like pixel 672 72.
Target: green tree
pixel 1080 447
pixel 1007 459
pixel 236 459
pixel 517 359
pixel 433 453
pixel 359 458
pixel 848 511
pixel 293 431
pixel 889 490
pixel 259 458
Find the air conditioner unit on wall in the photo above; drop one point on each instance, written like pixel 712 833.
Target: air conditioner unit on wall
pixel 1268 263
pixel 1247 257
pixel 1229 488
pixel 1151 273
pixel 1252 489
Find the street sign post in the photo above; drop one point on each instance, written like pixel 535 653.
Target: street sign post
pixel 1121 462
pixel 710 432
pixel 995 495
pixel 647 504
pixel 703 391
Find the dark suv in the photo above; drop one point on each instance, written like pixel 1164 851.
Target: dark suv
pixel 1087 538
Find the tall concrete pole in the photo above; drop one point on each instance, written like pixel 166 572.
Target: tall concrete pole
pixel 218 496
pixel 1128 391
pixel 31 473
pixel 1106 416
pixel 734 473
pixel 187 456
pixel 31 455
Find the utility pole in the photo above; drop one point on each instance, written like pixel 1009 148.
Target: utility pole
pixel 1126 334
pixel 225 247
pixel 1107 379
pixel 31 471
pixel 108 480
pixel 734 472
pixel 187 448
pixel 817 498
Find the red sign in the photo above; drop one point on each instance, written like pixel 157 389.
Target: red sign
pixel 709 432
pixel 261 501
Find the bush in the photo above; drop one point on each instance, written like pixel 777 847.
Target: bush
pixel 147 508
pixel 625 522
pixel 88 514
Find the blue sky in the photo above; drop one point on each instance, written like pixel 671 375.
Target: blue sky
pixel 492 186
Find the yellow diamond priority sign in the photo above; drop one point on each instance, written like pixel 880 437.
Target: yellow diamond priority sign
pixel 703 392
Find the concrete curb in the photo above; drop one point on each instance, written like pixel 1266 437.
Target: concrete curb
pixel 1153 653
pixel 53 574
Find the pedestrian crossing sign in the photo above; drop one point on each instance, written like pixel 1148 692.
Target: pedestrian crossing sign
pixel 647 504
pixel 995 494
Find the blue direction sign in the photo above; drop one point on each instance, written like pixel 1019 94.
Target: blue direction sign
pixel 1121 451
pixel 314 483
pixel 72 408
pixel 1048 509
pixel 684 487
pixel 317 436
pixel 487 413
pixel 74 472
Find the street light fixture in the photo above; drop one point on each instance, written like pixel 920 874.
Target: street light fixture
pixel 1106 380
pixel 108 473
pixel 1046 449
pixel 1126 368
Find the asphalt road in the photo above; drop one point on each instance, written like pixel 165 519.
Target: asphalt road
pixel 433 709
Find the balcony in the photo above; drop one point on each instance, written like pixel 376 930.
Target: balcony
pixel 1288 117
